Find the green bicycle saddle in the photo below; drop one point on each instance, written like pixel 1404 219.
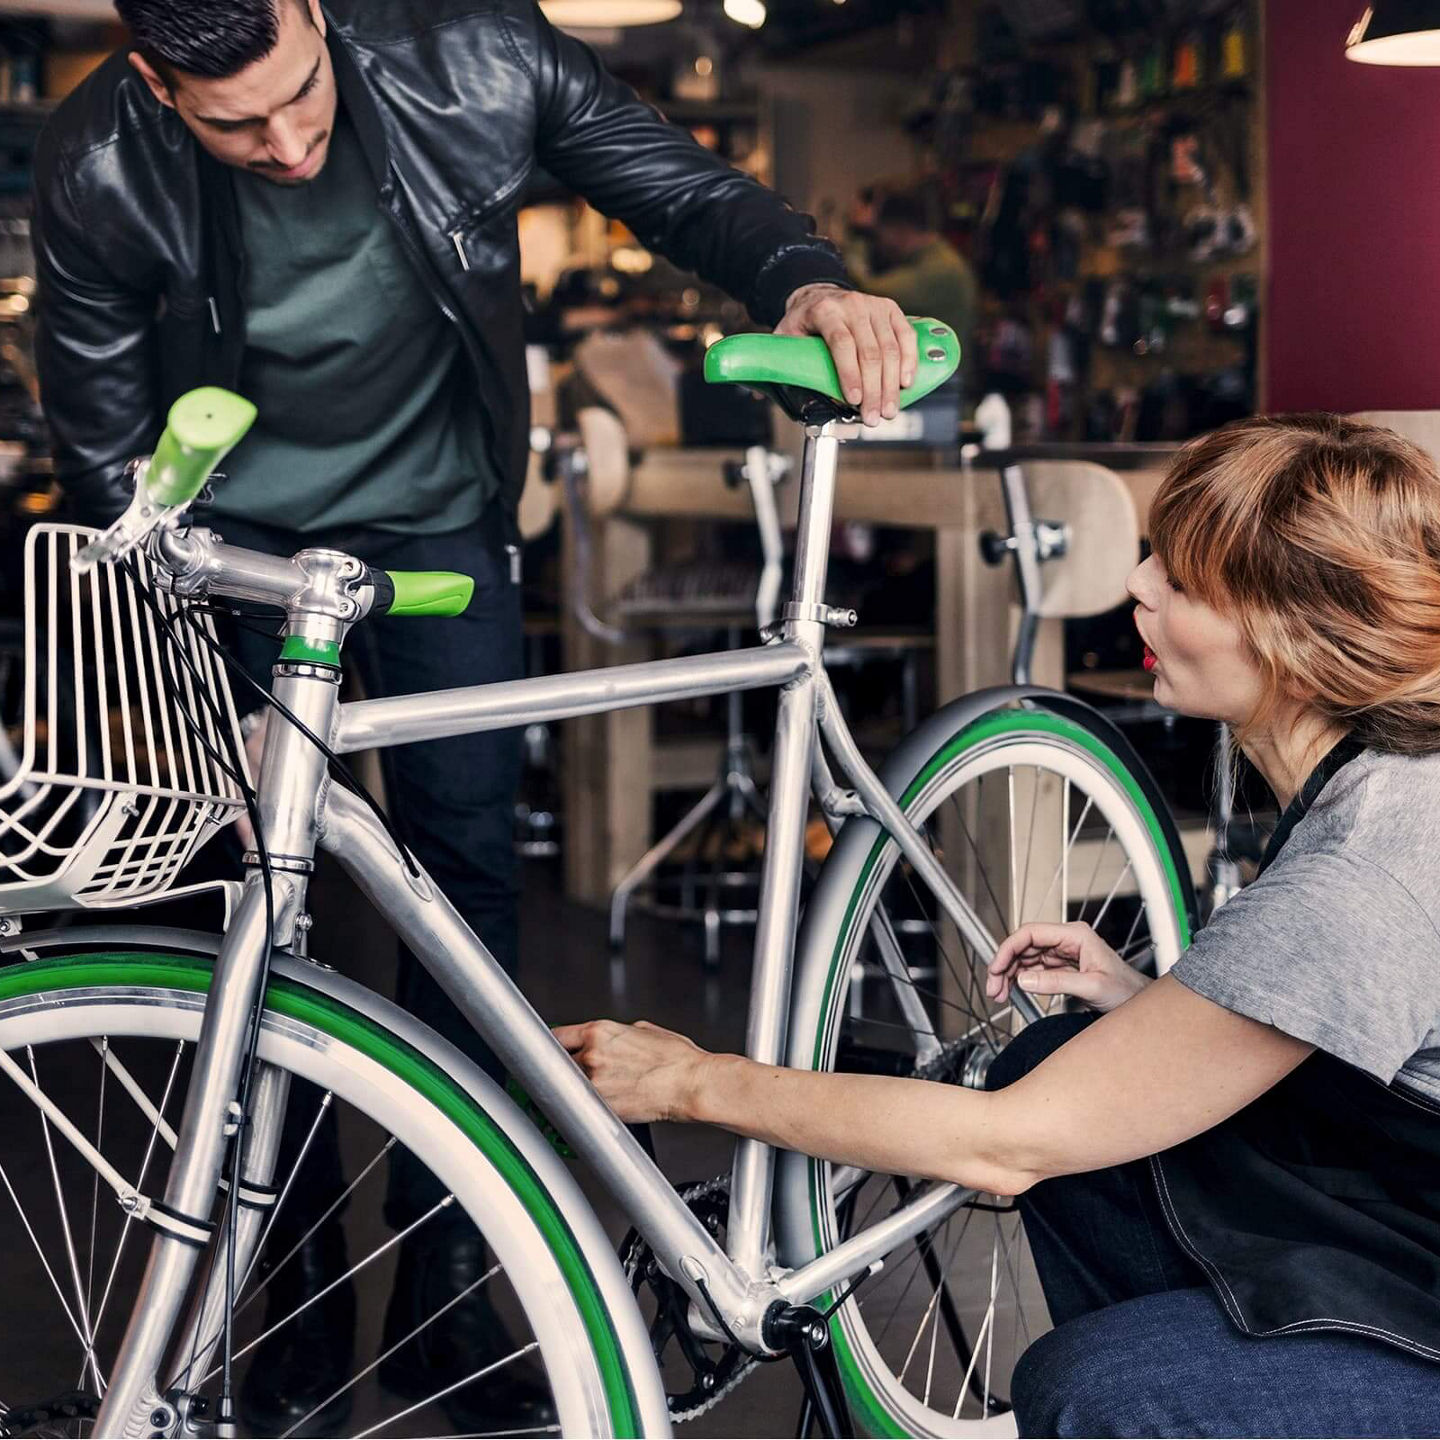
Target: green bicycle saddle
pixel 798 373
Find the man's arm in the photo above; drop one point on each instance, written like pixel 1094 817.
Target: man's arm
pixel 681 201
pixel 93 350
pixel 1164 1066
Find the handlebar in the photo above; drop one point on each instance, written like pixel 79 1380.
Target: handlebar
pixel 421 592
pixel 203 428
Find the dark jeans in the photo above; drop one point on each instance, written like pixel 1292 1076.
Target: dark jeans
pixel 452 800
pixel 1141 1345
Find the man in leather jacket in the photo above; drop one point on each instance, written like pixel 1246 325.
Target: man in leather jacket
pixel 316 206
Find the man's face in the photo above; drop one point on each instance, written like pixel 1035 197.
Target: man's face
pixel 275 118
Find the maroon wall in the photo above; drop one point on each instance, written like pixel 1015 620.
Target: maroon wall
pixel 1353 318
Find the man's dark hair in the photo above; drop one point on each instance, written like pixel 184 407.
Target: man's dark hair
pixel 211 38
pixel 903 209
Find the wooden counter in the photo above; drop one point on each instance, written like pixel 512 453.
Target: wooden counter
pixel 610 768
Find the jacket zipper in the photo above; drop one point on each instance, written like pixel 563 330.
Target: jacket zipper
pixel 459 244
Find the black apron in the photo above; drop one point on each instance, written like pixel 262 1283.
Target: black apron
pixel 1317 1207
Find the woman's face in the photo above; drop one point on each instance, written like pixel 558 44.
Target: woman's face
pixel 1197 656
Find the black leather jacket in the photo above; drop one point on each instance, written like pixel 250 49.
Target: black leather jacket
pixel 456 102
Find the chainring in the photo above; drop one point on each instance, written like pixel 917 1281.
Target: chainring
pixel 712 1371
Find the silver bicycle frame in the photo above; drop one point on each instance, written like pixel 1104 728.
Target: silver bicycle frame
pixel 731 1292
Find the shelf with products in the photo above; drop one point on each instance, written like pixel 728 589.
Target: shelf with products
pixel 1109 186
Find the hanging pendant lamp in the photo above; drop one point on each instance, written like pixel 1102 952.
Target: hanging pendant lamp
pixel 1397 32
pixel 608 14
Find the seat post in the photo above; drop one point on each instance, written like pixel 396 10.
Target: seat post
pixel 817 510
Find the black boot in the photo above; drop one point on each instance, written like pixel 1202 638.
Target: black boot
pixel 310 1357
pixel 431 1271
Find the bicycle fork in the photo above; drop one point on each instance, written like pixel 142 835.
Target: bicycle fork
pixel 135 1402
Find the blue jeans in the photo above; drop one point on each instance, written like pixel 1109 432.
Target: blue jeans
pixel 1141 1346
pixel 451 800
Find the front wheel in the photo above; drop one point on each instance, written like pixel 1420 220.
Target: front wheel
pixel 108 1037
pixel 1037 811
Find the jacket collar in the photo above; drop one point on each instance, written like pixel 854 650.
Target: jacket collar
pixel 359 102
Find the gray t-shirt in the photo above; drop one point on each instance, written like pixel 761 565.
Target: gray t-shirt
pixel 1337 943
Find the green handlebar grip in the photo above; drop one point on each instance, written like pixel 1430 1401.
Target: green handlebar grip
pixel 430 592
pixel 204 427
pixel 805 362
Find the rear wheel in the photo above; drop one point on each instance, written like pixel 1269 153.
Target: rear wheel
pixel 109 1037
pixel 1035 815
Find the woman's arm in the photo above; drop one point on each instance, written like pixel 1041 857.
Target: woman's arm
pixel 1160 1068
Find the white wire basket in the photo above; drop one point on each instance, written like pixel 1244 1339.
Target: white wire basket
pixel 119 779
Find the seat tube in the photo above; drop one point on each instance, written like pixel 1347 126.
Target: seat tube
pixel 753 1174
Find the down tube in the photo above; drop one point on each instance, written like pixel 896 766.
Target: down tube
pixel 435 931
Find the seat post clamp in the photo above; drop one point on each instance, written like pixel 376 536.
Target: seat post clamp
pixel 822 614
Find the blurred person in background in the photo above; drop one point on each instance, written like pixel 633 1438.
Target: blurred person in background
pixel 896 252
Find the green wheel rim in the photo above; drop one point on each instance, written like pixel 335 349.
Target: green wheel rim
pixel 869 1408
pixel 179 972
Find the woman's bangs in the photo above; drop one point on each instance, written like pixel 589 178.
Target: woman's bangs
pixel 1189 537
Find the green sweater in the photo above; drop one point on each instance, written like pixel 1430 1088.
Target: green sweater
pixel 935 282
pixel 367 409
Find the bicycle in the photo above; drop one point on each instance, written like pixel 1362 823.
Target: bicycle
pixel 104 1027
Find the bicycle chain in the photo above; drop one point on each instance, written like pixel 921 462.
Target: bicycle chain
pixel 50 1416
pixel 635 1252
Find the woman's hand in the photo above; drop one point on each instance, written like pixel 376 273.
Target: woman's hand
pixel 1046 959
pixel 643 1072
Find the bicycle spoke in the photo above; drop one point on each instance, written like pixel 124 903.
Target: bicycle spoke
pixel 1062 867
pixel 325 1103
pixel 1020 911
pixel 932 1307
pixel 1114 889
pixel 64 1213
pixel 1014 875
pixel 480 1374
pixel 339 1200
pixel 136 1092
pixel 975 1351
pixel 1090 884
pixel 55 1284
pixel 139 1183
pixel 349 1274
pixel 95 1190
pixel 496 1434
pixel 386 1354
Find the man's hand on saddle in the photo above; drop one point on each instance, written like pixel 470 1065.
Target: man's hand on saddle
pixel 873 344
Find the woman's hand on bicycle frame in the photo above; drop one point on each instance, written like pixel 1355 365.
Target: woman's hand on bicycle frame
pixel 1054 959
pixel 643 1071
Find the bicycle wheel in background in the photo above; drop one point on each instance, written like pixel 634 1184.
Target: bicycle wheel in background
pixel 1039 811
pixel 108 1036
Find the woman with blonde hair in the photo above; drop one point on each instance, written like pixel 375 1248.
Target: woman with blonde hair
pixel 1229 1176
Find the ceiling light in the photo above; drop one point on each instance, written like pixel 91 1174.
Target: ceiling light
pixel 607 14
pixel 746 12
pixel 1397 32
